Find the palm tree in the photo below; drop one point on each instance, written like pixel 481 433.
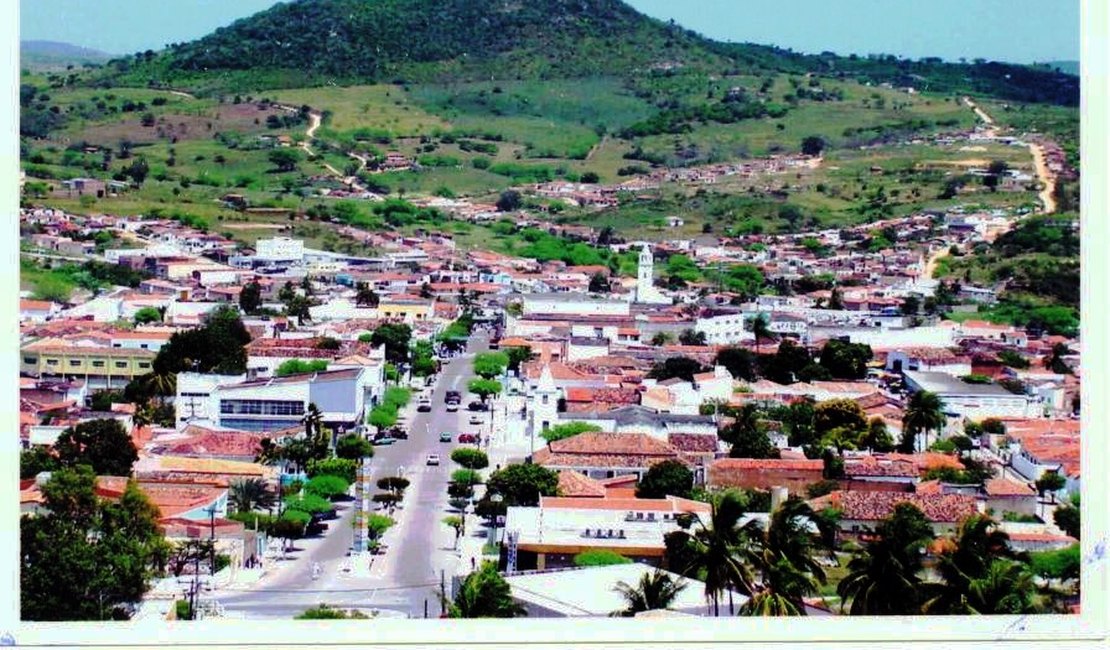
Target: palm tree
pixel 714 550
pixel 783 555
pixel 923 414
pixel 312 420
pixel 1007 588
pixel 656 590
pixel 761 328
pixel 883 579
pixel 161 384
pixel 250 494
pixel 964 558
pixel 485 594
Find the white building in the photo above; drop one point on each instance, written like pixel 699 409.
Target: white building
pixel 563 304
pixel 723 327
pixel 645 280
pixel 279 249
pixel 973 401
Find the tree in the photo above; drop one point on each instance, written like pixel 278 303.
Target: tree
pixel 522 485
pixel 300 367
pixel 395 337
pixel 1050 482
pixel 923 414
pixel 85 559
pixel 137 170
pixel 365 296
pixel 659 339
pixel 484 594
pixel 103 445
pixel 490 365
pixel 910 306
pixel 1066 517
pixel 965 558
pixel 509 201
pixel 216 347
pixel 344 468
pixel 877 438
pixel 711 552
pixel 813 145
pixel 250 298
pixel 740 362
pixel 749 439
pixel 656 590
pixel 682 367
pixel 600 557
pixel 667 478
pixel 327 486
pixel 846 360
pixel 598 283
pixel 484 388
pixel 788 364
pixel 839 414
pixel 382 417
pixel 326 612
pixel 883 578
pixel 691 337
pixel 290 526
pixel 147 315
pixel 761 329
pixel 377 524
pixel 567 430
pixel 354 447
pixel 470 458
pixel 311 504
pixel 250 494
pixel 36 460
pixel 285 159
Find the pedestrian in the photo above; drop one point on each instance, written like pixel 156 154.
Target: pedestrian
pixel 473 563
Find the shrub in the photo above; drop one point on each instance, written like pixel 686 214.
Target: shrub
pixel 600 557
pixel 310 503
pixel 344 468
pixel 466 477
pixel 470 458
pixel 327 486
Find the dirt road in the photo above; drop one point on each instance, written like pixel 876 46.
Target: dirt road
pixel 1046 177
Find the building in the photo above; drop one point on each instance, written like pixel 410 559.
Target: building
pixel 99 367
pixel 233 402
pixel 861 512
pixel 639 419
pixel 607 455
pixel 646 293
pixel 544 593
pixel 569 304
pixel 279 250
pixel 972 401
pixel 764 473
pixel 548 536
pixel 407 310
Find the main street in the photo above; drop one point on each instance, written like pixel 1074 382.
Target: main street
pixel 420 548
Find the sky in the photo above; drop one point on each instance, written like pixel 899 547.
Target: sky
pixel 1016 31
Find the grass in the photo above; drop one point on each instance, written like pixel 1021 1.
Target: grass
pixel 379 106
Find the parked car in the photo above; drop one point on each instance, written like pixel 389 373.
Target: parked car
pixel 398 433
pixel 445 436
pixel 453 396
pixel 424 406
pixel 475 419
pixel 433 459
pixel 452 407
pixel 385 440
pixel 477 406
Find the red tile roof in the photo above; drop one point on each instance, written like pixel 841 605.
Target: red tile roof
pixel 873 506
pixel 594 442
pixel 574 484
pixel 732 464
pixel 1001 487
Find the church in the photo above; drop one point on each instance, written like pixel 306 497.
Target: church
pixel 646 292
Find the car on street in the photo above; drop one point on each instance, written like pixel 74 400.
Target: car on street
pixel 475 419
pixel 469 438
pixel 433 459
pixel 424 406
pixel 477 406
pixel 445 436
pixel 385 440
pixel 452 407
pixel 452 396
pixel 397 433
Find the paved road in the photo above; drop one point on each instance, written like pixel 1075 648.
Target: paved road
pixel 420 546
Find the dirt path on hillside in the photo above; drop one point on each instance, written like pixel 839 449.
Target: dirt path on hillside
pixel 182 93
pixel 315 119
pixel 1046 177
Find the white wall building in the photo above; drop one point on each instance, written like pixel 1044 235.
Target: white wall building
pixel 973 401
pixel 279 249
pixel 574 304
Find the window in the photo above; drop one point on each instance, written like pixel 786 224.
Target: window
pixel 74 363
pixel 144 364
pixel 121 365
pixel 29 360
pixel 97 364
pixel 51 362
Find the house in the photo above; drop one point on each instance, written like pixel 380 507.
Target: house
pixel 1003 495
pixel 37 311
pixel 764 473
pixel 549 535
pixel 861 512
pixel 927 359
pixel 99 367
pixel 639 419
pixel 606 455
pixel 873 473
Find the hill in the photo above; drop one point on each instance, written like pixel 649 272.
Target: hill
pixel 53 54
pixel 348 42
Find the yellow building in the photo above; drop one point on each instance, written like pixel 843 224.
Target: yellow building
pixel 406 310
pixel 98 366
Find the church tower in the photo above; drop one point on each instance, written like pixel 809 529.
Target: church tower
pixel 645 275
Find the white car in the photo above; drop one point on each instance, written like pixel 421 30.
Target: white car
pixel 433 459
pixel 475 419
